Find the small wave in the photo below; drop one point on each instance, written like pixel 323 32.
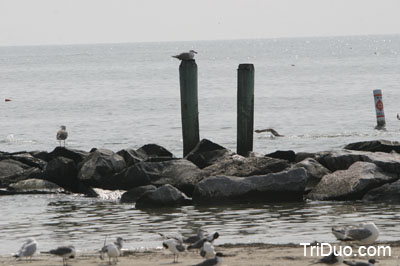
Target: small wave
pixel 113 195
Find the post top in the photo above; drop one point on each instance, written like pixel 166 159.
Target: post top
pixel 189 62
pixel 246 67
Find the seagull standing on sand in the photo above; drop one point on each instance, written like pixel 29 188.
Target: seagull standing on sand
pixel 365 234
pixel 66 252
pixel 175 246
pixel 216 261
pixel 28 249
pixel 62 134
pixel 371 262
pixel 207 251
pixel 185 56
pixel 331 259
pixel 113 250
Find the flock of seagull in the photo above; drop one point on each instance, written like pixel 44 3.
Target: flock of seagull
pixel 174 244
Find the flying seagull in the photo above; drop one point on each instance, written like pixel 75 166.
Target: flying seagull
pixel 195 238
pixel 365 233
pixel 113 250
pixel 62 134
pixel 271 130
pixel 199 244
pixel 371 262
pixel 28 249
pixel 185 56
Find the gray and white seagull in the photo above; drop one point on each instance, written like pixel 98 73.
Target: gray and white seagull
pixel 62 134
pixel 185 56
pixel 28 249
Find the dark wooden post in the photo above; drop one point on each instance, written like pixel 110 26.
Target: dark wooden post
pixel 189 105
pixel 245 109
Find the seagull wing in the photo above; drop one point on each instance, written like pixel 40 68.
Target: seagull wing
pixel 358 233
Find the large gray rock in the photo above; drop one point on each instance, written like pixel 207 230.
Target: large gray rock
pixel 180 173
pixel 341 160
pixel 289 156
pixel 206 153
pixel 131 156
pixel 315 171
pixel 12 171
pixel 237 165
pixel 35 186
pixel 134 194
pixel 387 193
pixel 351 184
pixel 375 146
pixel 153 150
pixel 164 196
pixel 77 156
pixel 25 158
pixel 100 164
pixel 276 187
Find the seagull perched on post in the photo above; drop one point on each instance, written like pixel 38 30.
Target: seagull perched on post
pixel 365 233
pixel 62 134
pixel 113 250
pixel 185 56
pixel 28 249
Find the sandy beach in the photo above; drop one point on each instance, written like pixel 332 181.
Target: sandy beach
pixel 236 255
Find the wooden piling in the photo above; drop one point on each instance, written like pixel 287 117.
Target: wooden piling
pixel 245 109
pixel 189 104
pixel 380 114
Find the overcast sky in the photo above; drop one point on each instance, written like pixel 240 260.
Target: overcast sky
pixel 25 22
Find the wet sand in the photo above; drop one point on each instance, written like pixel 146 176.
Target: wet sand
pixel 236 255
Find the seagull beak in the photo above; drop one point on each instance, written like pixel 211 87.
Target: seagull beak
pixel 195 52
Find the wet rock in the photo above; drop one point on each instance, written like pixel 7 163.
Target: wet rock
pixel 206 153
pixel 289 156
pixel 63 172
pixel 77 156
pixel 375 146
pixel 341 160
pixel 35 186
pixel 276 187
pixel 131 156
pixel 237 165
pixel 12 171
pixel 99 165
pixel 300 156
pixel 180 173
pixel 27 159
pixel 387 193
pixel 134 194
pixel 315 171
pixel 351 184
pixel 164 196
pixel 153 150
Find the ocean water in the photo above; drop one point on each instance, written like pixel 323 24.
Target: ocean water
pixel 315 91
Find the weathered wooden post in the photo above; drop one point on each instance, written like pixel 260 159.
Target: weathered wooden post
pixel 189 105
pixel 380 114
pixel 245 109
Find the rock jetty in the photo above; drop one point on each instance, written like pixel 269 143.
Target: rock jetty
pixel 209 175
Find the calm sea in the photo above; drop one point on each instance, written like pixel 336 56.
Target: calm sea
pixel 315 91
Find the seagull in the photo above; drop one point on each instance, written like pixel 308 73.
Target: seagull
pixel 207 251
pixel 331 259
pixel 28 249
pixel 62 134
pixel 365 233
pixel 273 131
pixel 371 262
pixel 175 246
pixel 216 261
pixel 113 250
pixel 66 252
pixel 185 56
pixel 199 244
pixel 193 239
